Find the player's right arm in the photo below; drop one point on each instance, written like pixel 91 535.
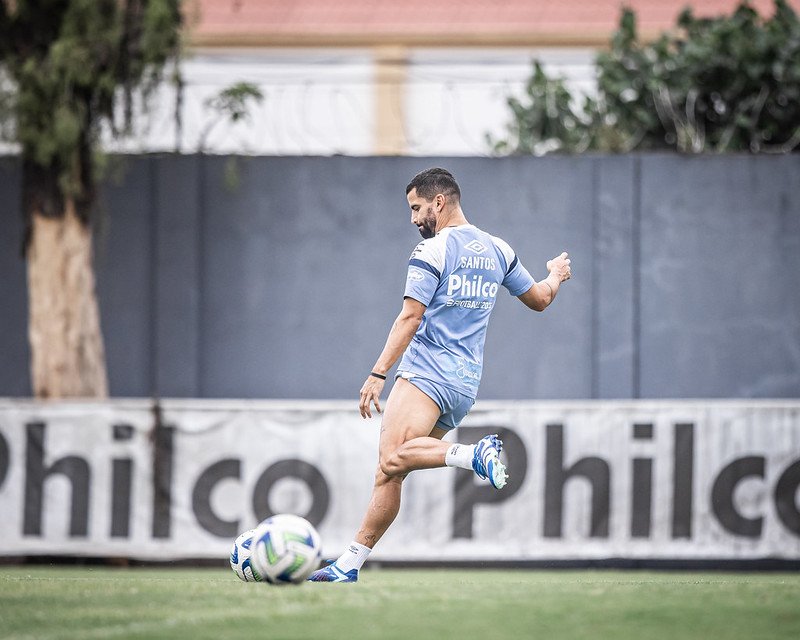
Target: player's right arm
pixel 424 273
pixel 542 293
pixel 403 329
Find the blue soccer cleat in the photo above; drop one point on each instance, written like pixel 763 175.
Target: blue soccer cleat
pixel 486 461
pixel 332 573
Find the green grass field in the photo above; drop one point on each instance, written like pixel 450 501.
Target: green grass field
pixel 68 602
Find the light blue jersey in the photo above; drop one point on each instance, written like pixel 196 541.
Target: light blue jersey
pixel 457 275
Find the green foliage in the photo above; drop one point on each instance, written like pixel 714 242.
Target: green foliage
pixel 70 67
pixel 729 83
pixel 547 122
pixel 232 104
pixel 232 101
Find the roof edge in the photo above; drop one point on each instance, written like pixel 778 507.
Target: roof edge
pixel 308 40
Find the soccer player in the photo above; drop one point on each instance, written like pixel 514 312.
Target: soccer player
pixel 453 279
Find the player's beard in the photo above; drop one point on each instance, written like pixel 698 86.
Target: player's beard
pixel 428 227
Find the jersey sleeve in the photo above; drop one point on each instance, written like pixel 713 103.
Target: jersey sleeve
pixel 517 279
pixel 424 271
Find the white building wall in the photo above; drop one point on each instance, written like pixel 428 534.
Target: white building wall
pixel 323 101
pixel 456 97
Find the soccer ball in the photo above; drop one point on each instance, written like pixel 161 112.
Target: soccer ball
pixel 240 557
pixel 285 549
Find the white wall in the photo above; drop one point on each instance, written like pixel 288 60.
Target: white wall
pixel 322 102
pixel 455 97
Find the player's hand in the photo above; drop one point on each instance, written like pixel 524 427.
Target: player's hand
pixel 370 394
pixel 559 267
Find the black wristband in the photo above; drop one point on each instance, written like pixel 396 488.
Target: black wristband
pixel 377 375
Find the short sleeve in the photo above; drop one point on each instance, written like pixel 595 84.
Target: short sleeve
pixel 425 270
pixel 420 284
pixel 517 279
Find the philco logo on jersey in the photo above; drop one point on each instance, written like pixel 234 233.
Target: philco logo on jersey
pixel 473 287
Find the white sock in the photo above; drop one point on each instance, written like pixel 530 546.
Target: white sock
pixel 460 455
pixel 353 557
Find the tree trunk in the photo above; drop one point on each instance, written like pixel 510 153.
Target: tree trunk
pixel 67 356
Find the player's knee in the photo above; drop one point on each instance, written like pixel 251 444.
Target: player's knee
pixel 387 465
pixel 391 464
pixel 382 479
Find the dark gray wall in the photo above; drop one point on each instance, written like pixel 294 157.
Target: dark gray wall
pixel 14 353
pixel 686 274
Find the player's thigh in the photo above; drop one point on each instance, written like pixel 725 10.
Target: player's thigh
pixel 409 413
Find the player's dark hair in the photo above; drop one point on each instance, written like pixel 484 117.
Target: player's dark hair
pixel 432 181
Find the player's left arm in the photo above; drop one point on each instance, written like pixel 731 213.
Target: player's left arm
pixel 403 329
pixel 542 293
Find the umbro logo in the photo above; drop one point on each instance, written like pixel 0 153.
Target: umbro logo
pixel 475 246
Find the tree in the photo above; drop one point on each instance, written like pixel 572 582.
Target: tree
pixel 71 68
pixel 231 104
pixel 546 121
pixel 728 83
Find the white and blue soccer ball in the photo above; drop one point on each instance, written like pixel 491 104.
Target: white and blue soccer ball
pixel 285 549
pixel 240 557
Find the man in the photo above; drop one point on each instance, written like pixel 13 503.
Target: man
pixel 454 276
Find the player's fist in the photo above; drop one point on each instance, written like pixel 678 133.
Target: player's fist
pixel 559 267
